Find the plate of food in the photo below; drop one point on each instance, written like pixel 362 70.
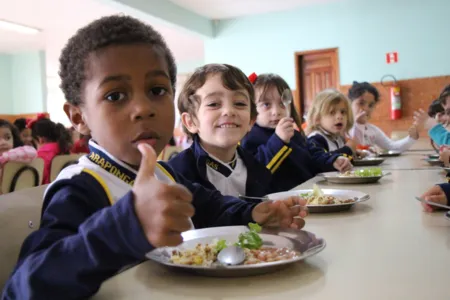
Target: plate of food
pixel 368 175
pixel 325 200
pixel 266 250
pixel 367 161
pixel 446 169
pixel 434 162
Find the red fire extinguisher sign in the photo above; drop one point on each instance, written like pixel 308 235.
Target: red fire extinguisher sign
pixel 392 57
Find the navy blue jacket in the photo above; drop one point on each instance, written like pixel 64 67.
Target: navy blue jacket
pixel 322 151
pixel 83 240
pixel 192 164
pixel 290 164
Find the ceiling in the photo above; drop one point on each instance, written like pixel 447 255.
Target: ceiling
pixel 225 9
pixel 59 20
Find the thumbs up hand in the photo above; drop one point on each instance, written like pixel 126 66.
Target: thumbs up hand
pixel 163 210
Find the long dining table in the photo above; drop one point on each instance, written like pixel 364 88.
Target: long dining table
pixel 384 248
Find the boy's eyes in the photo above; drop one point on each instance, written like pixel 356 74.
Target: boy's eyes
pixel 120 96
pixel 158 91
pixel 115 96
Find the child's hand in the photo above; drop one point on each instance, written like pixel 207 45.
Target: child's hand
pixel 342 164
pixel 285 129
pixel 361 117
pixel 413 132
pixel 436 195
pixel 282 213
pixel 422 120
pixel 163 210
pixel 444 156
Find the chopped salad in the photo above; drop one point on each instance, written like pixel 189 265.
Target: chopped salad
pixel 251 242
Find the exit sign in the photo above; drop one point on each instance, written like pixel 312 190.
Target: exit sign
pixel 392 57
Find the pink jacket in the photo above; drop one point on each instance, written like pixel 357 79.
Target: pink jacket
pixel 23 154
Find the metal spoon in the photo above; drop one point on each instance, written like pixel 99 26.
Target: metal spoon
pixel 286 98
pixel 433 203
pixel 231 256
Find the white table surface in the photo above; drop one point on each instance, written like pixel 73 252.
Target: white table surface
pixel 385 248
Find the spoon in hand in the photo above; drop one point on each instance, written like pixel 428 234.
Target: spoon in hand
pixel 286 98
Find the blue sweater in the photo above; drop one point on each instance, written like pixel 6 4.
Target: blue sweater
pixel 291 164
pixel 440 135
pixel 321 149
pixel 83 239
pixel 192 164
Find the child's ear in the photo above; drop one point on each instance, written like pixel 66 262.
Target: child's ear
pixel 188 122
pixel 76 118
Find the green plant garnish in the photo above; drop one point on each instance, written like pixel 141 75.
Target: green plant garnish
pixel 250 239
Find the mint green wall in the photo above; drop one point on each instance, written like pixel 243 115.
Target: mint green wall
pixel 6 106
pixel 23 83
pixel 28 82
pixel 363 30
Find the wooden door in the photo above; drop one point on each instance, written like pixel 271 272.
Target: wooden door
pixel 316 71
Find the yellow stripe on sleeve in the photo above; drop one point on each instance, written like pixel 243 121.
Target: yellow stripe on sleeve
pixel 166 172
pixel 102 183
pixel 274 169
pixel 276 157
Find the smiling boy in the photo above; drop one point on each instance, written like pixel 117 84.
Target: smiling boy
pixel 217 110
pixel 118 77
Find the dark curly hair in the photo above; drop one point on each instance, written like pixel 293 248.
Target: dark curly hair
pixel 232 78
pixel 17 142
pixel 359 88
pixel 104 32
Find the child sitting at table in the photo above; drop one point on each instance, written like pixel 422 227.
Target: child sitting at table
pixel 274 141
pixel 364 98
pixel 217 110
pixel 118 203
pixel 329 119
pixel 11 146
pixel 53 139
pixel 436 130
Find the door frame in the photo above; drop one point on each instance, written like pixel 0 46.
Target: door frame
pixel 298 80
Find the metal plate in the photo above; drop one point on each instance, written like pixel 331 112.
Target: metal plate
pixel 347 194
pixel 333 177
pixel 433 156
pixel 447 215
pixel 434 162
pixel 304 242
pixel 389 153
pixel 368 161
pixel 446 169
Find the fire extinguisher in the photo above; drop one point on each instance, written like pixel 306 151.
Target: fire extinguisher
pixel 395 96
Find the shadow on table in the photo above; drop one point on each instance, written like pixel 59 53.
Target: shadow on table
pixel 307 276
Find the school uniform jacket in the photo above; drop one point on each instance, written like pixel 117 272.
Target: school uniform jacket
pixel 89 229
pixel 328 146
pixel 193 162
pixel 290 164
